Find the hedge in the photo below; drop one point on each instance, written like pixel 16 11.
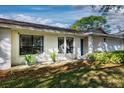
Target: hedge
pixel 106 57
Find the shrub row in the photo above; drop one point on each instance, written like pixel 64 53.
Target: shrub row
pixel 106 57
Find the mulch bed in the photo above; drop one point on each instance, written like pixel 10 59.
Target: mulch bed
pixel 45 70
pixel 109 66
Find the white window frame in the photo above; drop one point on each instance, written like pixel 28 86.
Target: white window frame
pixel 65 45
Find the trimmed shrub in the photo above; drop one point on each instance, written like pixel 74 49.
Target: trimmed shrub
pixel 102 57
pixel 117 57
pixel 106 57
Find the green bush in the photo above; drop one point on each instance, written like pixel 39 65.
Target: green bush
pixel 102 57
pixel 90 57
pixel 29 59
pixel 106 57
pixel 53 56
pixel 117 57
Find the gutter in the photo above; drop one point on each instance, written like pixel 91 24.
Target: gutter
pixel 99 34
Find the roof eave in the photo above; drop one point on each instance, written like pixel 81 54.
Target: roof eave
pixel 99 34
pixel 16 27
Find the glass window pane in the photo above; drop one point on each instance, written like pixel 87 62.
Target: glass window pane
pixel 69 44
pixel 61 44
pixel 30 44
pixel 25 44
pixel 37 40
pixel 26 40
pixel 37 44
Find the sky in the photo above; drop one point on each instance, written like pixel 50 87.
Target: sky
pixel 61 16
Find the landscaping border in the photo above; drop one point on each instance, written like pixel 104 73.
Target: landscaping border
pixel 46 70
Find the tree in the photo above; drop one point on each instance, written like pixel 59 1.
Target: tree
pixel 91 22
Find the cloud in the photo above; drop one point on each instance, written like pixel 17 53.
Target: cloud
pixel 3 16
pixel 37 20
pixel 67 17
pixel 116 21
pixel 73 15
pixel 61 25
pixel 27 18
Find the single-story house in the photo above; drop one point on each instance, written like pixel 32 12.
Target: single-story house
pixel 20 38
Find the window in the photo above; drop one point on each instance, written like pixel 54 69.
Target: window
pixel 69 44
pixel 30 44
pixel 61 44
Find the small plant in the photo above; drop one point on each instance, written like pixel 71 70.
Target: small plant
pixel 53 56
pixel 29 59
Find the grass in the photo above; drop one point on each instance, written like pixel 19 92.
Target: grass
pixel 83 77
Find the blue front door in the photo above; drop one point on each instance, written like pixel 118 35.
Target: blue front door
pixel 81 46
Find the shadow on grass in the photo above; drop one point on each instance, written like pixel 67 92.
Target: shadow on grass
pixel 83 77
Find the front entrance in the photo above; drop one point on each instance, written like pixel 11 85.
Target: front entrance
pixel 81 47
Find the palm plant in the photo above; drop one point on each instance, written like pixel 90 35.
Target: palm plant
pixel 29 59
pixel 53 56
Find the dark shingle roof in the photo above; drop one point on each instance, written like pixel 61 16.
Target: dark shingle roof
pixel 40 26
pixel 98 30
pixel 34 25
pixel 120 33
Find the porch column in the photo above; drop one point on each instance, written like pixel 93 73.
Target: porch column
pixel 64 45
pixel 90 44
pixel 123 44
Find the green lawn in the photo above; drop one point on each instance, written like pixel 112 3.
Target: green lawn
pixel 83 77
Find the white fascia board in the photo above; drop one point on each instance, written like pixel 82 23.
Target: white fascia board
pixel 99 34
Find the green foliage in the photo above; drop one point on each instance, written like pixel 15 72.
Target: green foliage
pixel 106 57
pixel 102 57
pixel 106 8
pixel 29 59
pixel 53 56
pixel 91 57
pixel 91 22
pixel 117 57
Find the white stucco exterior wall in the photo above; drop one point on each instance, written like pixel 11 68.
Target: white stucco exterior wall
pixel 5 49
pixel 9 46
pixel 15 48
pixel 111 44
pixel 50 44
